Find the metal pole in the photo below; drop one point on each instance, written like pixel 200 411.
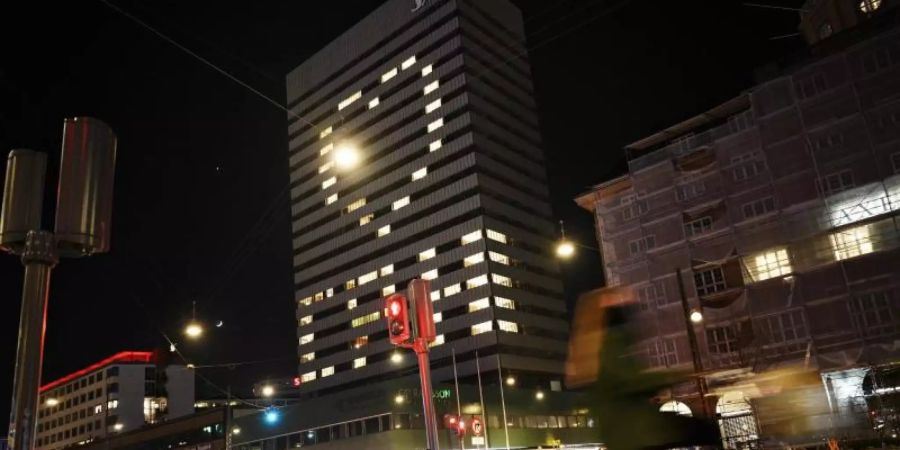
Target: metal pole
pixel 481 399
pixel 462 441
pixel 503 402
pixel 228 418
pixel 39 258
pixel 431 435
pixel 692 340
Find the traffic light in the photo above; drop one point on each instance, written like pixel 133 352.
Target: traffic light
pixel 455 424
pixel 396 310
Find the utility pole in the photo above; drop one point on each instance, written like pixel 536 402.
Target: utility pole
pixel 83 214
pixel 692 340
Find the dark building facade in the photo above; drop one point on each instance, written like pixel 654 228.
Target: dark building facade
pixel 450 187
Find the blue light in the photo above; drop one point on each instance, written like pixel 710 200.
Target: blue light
pixel 271 416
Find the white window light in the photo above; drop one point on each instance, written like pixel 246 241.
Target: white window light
pixel 473 259
pixel 329 292
pixel 388 290
pixel 509 327
pixel 471 237
pixel 350 284
pixel 364 220
pixel 430 275
pixel 499 258
pixel 435 295
pixel 427 70
pixel 473 283
pixel 331 199
pixel 390 74
pixel 328 371
pixel 319 296
pixel 501 280
pixel 438 317
pixel 852 242
pixel 359 362
pixel 768 264
pixel 349 100
pixel 325 132
pixel 408 63
pixel 453 289
pixel 419 174
pixel 483 327
pixel 326 167
pixel 308 376
pixel 351 303
pixel 504 303
pixel 438 340
pixel 429 108
pixel 427 254
pixel 307 338
pixel 326 149
pixel 432 87
pixel 387 270
pixel 496 236
pixel 374 102
pixel 366 319
pixel 435 125
pixel 479 304
pixel 329 183
pixel 400 203
pixel 306 301
pixel 384 231
pixel 369 277
pixel 435 146
pixel 306 320
pixel 307 357
pixel 356 205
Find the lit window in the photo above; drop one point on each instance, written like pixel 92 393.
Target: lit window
pixel 869 6
pixel 435 295
pixel 427 70
pixel 419 174
pixel 359 362
pixel 325 133
pixel 329 182
pixel 112 404
pixel 374 102
pixel 504 303
pixel 499 258
pixel 432 87
pixel 852 242
pixel 478 305
pixel 326 167
pixel 453 289
pixel 473 259
pixel 98 409
pixel 369 277
pixel 388 290
pixel 438 340
pixel 350 284
pixel 328 371
pixel 387 270
pixel 331 199
pixel 356 205
pixel 435 145
pixel 306 338
pixel 384 231
pixel 349 100
pixel 501 280
pixel 473 283
pixel 390 74
pixel 400 203
pixel 435 125
pixel 306 320
pixel 329 292
pixel 438 317
pixel 483 327
pixel 408 63
pixel 471 237
pixel 427 254
pixel 509 327
pixel 351 303
pixel 366 319
pixel 319 296
pixel 768 264
pixel 360 342
pixel 306 301
pixel 429 108
pixel 430 275
pixel 308 376
pixel 496 236
pixel 326 149
pixel 366 219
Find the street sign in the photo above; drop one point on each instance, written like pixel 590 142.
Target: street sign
pixel 477 440
pixel 477 426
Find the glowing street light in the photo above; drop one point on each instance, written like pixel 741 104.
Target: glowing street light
pixel 510 380
pixel 346 156
pixel 539 395
pixel 118 427
pixel 396 358
pixel 193 330
pixel 696 316
pixel 399 399
pixel 272 416
pixel 268 390
pixel 235 431
pixel 565 249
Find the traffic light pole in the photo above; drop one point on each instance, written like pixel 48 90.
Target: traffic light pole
pixel 431 434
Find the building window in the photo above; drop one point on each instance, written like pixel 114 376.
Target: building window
pixel 306 301
pixel 453 289
pixel 698 226
pixel 812 85
pixel 366 319
pixel 384 231
pixel 369 277
pixel 388 290
pixel 434 146
pixel 721 340
pixel 784 328
pixel 326 149
pixel 360 342
pixel 869 6
pixel 471 237
pixel 430 275
pixel 507 326
pixel 408 63
pixel 768 264
pixel 350 284
pixel 746 166
pixel 400 203
pixel 499 258
pixel 501 280
pixel 326 167
pixel 356 205
pixel 374 102
pixel 852 242
pixel 387 270
pixel 419 174
pixel 308 376
pixel 305 320
pixel 329 183
pixel 435 125
pixel 504 303
pixel 662 353
pixel 877 60
pixel 633 210
pixel 873 313
pixel 473 283
pixel 473 259
pixel 112 404
pixel 307 338
pixel 438 340
pixel 98 409
pixel 364 220
pixel 351 303
pixel 651 296
pixel 483 327
pixel 478 305
pixel 496 236
pixel 438 317
pixel 709 281
pixel 327 371
pixel 331 199
pixel 307 357
pixel 390 74
pixel 758 208
pixel 828 142
pixel 641 245
pixel 329 292
pixel 319 296
pixel 427 254
pixel 436 295
pixel 836 182
pixel 689 191
pixel 359 362
pixel 427 70
pixel 325 133
pixel 432 87
pixel 429 108
pixel 349 100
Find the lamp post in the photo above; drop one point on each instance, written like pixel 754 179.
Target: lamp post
pixel 83 215
pixel 692 317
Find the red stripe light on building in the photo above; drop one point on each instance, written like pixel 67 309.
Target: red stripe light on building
pixel 121 357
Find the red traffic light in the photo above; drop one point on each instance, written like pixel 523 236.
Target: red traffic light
pixel 397 313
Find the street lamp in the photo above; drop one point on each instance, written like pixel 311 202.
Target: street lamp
pixel 696 316
pixel 193 329
pixel 510 380
pixel 399 399
pixel 539 395
pixel 268 390
pixel 346 156
pixel 396 358
pixel 565 249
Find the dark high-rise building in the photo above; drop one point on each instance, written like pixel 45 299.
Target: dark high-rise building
pixel 450 186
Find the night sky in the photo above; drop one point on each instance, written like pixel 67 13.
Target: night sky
pixel 201 212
